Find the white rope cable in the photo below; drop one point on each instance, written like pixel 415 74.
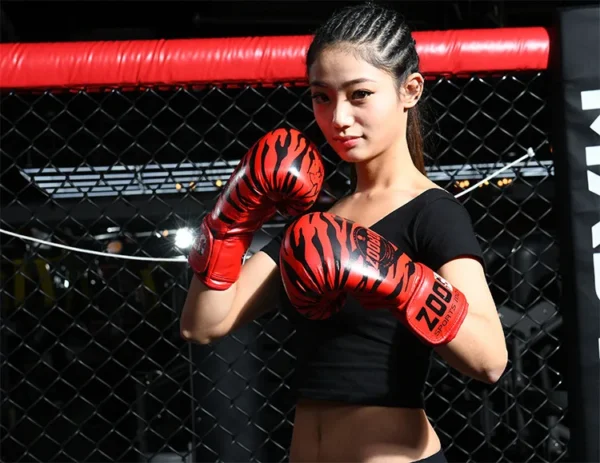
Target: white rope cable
pixel 96 253
pixel 530 154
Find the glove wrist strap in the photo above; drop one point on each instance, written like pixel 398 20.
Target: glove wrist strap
pixel 217 261
pixel 436 310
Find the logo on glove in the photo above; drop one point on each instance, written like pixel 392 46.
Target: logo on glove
pixel 377 253
pixel 200 243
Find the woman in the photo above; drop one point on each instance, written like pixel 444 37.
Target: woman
pixel 361 373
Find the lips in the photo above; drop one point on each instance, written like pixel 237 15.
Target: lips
pixel 343 139
pixel 347 142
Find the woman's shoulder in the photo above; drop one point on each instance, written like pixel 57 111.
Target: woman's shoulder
pixel 424 199
pixel 432 193
pixel 437 211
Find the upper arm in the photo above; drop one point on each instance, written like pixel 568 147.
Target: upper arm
pixel 444 232
pixel 447 243
pixel 468 276
pixel 479 348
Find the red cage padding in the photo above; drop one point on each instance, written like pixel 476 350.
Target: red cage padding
pixel 264 60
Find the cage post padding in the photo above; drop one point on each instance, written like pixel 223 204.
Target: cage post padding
pixel 576 139
pixel 263 60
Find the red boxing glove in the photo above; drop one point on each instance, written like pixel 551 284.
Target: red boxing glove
pixel 324 257
pixel 282 171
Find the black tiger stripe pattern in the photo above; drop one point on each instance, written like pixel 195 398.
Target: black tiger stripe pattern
pixel 324 257
pixel 282 171
pixel 283 166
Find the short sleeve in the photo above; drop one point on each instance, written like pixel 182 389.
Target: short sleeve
pixel 443 232
pixel 272 247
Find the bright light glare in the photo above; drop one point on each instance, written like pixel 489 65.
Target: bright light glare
pixel 184 238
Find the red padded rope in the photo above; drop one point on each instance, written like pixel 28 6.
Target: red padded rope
pixel 248 60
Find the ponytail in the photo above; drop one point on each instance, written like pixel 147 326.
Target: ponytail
pixel 414 138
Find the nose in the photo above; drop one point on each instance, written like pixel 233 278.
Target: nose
pixel 342 117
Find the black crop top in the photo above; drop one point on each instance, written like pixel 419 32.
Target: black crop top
pixel 367 356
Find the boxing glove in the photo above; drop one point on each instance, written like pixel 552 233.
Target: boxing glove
pixel 283 171
pixel 324 258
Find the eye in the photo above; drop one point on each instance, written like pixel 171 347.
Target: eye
pixel 361 94
pixel 319 98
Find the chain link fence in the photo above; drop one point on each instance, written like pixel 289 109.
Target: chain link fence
pixel 92 365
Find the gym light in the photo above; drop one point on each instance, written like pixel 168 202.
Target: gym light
pixel 184 238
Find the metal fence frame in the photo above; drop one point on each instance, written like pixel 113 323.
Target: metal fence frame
pixel 92 365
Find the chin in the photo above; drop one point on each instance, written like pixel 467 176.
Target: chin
pixel 354 156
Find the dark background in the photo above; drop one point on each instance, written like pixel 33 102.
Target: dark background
pixel 31 21
pixel 75 376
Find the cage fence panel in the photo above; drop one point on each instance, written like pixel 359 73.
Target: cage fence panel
pixel 93 367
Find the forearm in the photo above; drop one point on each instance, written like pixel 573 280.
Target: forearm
pixel 209 314
pixel 479 348
pixel 204 311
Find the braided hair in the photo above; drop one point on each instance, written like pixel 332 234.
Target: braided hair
pixel 380 36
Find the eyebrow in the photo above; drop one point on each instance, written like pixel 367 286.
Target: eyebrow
pixel 319 83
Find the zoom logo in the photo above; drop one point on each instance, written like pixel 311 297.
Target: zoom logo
pixel 436 306
pixel 378 253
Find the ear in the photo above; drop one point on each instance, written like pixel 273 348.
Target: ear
pixel 412 90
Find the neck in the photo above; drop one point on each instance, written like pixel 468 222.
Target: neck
pixel 391 169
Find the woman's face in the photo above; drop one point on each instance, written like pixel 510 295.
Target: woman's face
pixel 357 106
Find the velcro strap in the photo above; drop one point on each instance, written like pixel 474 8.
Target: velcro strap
pixel 436 310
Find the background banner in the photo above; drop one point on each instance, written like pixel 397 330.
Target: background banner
pixel 577 159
